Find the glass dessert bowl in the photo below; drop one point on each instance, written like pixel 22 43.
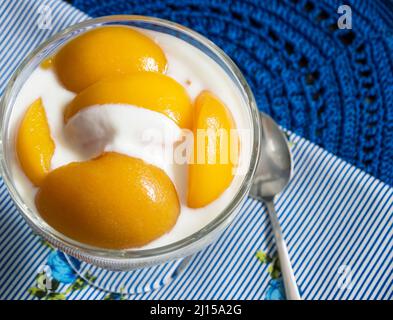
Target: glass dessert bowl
pixel 213 67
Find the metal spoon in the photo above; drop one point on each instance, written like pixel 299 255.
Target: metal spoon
pixel 272 175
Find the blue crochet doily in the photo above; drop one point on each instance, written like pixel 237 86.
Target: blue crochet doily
pixel 334 87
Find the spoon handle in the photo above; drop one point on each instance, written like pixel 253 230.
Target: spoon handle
pixel 291 289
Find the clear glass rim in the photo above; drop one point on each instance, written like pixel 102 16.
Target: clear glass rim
pixel 223 218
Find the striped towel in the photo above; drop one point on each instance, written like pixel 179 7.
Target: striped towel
pixel 337 221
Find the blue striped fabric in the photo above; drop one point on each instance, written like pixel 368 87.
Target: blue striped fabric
pixel 337 220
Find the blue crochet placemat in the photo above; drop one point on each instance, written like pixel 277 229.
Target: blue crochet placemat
pixel 337 221
pixel 332 86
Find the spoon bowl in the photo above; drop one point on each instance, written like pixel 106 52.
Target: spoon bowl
pixel 274 169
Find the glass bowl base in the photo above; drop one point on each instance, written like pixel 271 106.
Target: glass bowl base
pixel 133 282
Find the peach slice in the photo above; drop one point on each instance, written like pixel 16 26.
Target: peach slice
pixel 150 90
pixel 211 172
pixel 34 145
pixel 104 52
pixel 114 201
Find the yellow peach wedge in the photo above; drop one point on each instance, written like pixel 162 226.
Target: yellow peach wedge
pixel 104 52
pixel 113 201
pixel 211 172
pixel 34 145
pixel 153 91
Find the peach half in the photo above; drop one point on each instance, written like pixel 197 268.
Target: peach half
pixel 104 52
pixel 113 201
pixel 149 90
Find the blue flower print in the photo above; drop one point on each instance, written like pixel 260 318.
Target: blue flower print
pixel 275 290
pixel 58 277
pixel 61 269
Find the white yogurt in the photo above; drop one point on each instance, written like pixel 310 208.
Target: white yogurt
pixel 120 128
